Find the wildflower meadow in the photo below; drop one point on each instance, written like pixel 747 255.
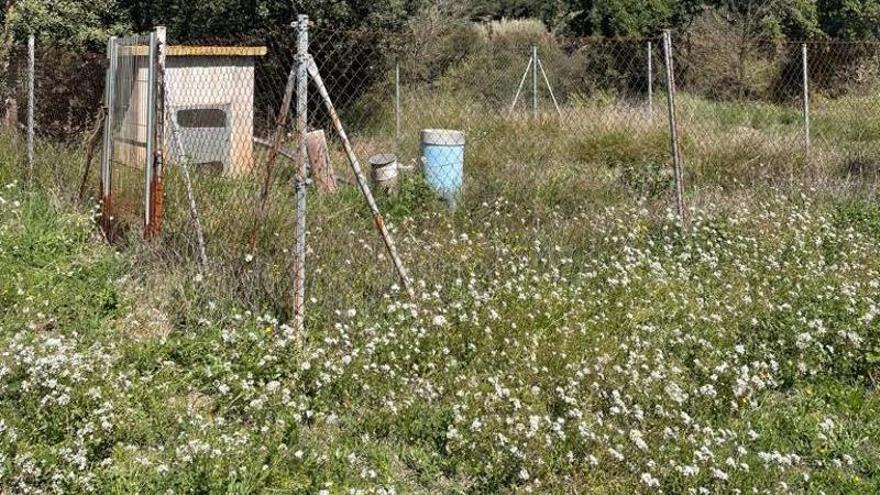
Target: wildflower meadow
pixel 602 351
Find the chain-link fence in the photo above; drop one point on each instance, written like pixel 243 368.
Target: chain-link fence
pixel 51 104
pixel 204 157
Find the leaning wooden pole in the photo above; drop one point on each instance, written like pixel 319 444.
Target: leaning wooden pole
pixel 673 128
pixel 361 180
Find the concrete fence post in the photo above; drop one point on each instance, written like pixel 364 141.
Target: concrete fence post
pixel 673 127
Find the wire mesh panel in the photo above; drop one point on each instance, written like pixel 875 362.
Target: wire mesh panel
pixel 740 109
pixel 231 155
pixel 454 120
pixel 844 100
pixel 51 97
pixel 130 138
pixel 526 108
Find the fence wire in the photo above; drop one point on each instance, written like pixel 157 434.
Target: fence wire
pixel 461 117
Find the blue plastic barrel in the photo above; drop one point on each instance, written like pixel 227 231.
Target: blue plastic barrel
pixel 443 162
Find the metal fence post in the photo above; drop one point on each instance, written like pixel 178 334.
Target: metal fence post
pixel 397 108
pixel 673 127
pixel 301 181
pixel 156 187
pixel 650 81
pixel 107 154
pixel 150 132
pixel 534 80
pixel 30 109
pixel 806 79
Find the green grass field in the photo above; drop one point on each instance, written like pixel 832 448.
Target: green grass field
pixel 568 335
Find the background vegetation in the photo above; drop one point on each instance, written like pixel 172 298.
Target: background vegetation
pixel 81 24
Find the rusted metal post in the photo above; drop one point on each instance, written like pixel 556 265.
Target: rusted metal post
pixel 673 127
pixel 157 192
pixel 806 79
pixel 361 180
pixel 302 176
pixel 150 134
pixel 30 108
pixel 107 154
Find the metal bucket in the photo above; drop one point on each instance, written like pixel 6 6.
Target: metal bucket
pixel 384 167
pixel 443 162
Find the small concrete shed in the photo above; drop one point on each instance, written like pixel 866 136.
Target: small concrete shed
pixel 210 97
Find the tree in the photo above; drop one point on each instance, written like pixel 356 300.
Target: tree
pixel 188 21
pixel 852 20
pixel 67 23
pixel 629 17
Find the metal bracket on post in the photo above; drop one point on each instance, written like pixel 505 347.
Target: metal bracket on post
pixel 673 127
pixel 107 154
pixel 302 86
